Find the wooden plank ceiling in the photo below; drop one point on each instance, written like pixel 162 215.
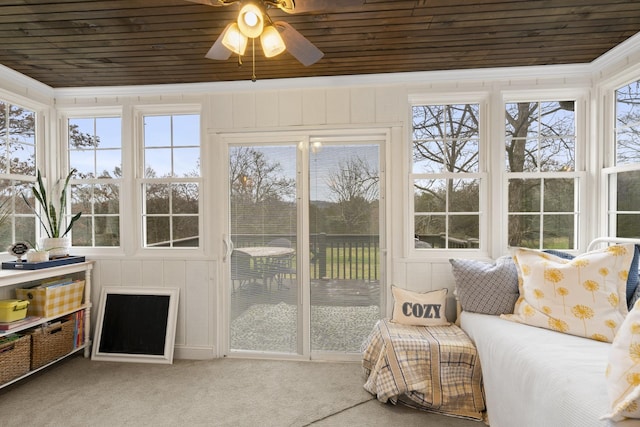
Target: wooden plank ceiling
pixel 74 43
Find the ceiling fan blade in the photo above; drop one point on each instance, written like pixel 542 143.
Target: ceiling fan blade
pixel 297 45
pixel 302 6
pixel 213 2
pixel 218 50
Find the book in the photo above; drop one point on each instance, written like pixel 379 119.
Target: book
pixel 7 326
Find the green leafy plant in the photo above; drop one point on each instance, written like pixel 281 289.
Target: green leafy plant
pixel 52 218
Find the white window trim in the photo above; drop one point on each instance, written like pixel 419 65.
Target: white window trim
pixel 587 200
pixel 450 98
pixel 138 167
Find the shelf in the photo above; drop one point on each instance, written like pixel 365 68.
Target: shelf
pixel 19 278
pixel 43 320
pixel 74 351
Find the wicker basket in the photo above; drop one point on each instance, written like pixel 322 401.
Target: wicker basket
pixel 14 358
pixel 50 343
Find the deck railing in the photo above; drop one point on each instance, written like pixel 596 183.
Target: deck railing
pixel 333 256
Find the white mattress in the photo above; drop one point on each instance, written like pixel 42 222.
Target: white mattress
pixel 534 377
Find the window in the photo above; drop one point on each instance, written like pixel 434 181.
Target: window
pixel 171 183
pixel 543 185
pixel 95 151
pixel 623 176
pixel 446 176
pixel 17 172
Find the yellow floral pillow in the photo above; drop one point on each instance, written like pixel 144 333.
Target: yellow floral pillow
pixel 623 370
pixel 585 296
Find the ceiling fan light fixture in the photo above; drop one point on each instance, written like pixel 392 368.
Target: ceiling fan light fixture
pixel 251 20
pixel 234 40
pixel 272 43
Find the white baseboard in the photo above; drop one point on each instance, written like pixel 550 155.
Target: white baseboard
pixel 194 353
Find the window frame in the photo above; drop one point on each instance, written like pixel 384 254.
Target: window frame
pixel 41 152
pixel 140 180
pixel 610 169
pixel 482 99
pixel 582 156
pixel 95 113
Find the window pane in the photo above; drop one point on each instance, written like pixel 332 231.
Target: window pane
pixel 83 162
pixel 464 195
pixel 157 131
pixel 557 155
pixel 157 162
pixel 186 130
pixel 157 198
pixel 524 195
pixel 185 198
pixel 559 195
pixel 106 199
pixel 430 228
pixel 185 230
pixel 108 163
pixel 445 138
pixel 627 225
pixel 628 124
pixel 157 231
pixel 558 232
pixel 107 230
pixel 627 191
pixel 524 231
pixel 464 231
pixel 430 195
pixel 186 162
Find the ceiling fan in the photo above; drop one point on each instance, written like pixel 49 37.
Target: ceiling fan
pixel 275 37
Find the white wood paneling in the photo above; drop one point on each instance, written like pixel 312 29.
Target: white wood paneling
pixel 363 102
pixel 290 108
pixel 266 111
pixel 338 106
pixel 314 107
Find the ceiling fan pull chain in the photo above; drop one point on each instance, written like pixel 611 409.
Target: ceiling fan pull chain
pixel 253 54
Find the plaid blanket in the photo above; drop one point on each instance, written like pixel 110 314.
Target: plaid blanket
pixel 435 368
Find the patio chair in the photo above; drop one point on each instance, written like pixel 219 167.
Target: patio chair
pixel 281 266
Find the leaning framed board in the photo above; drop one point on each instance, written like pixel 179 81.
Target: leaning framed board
pixel 136 325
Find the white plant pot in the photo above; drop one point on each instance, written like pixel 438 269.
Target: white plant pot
pixel 37 256
pixel 57 246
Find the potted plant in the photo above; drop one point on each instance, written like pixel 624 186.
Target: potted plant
pixel 51 217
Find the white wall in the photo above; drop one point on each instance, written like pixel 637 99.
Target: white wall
pixel 313 105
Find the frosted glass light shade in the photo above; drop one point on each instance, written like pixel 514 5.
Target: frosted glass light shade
pixel 234 40
pixel 250 20
pixel 272 43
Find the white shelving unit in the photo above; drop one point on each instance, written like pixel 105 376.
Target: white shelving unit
pixel 11 279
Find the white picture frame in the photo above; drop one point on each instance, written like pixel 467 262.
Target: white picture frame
pixel 136 325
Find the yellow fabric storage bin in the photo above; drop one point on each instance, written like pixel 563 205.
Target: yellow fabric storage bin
pixel 50 301
pixel 12 310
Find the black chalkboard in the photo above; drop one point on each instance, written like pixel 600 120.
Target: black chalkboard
pixel 136 325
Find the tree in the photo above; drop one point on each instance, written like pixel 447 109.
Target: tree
pixel 354 187
pixel 262 195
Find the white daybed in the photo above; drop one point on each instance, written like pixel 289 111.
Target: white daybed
pixel 535 377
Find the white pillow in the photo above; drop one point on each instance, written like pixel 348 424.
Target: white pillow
pixel 585 296
pixel 623 370
pixel 419 309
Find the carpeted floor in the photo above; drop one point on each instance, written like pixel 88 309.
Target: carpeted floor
pixel 79 392
pixel 272 327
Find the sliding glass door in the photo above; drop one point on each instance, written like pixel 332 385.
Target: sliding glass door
pixel 304 265
pixel 344 226
pixel 263 212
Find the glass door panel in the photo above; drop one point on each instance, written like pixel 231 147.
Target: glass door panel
pixel 344 225
pixel 263 229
